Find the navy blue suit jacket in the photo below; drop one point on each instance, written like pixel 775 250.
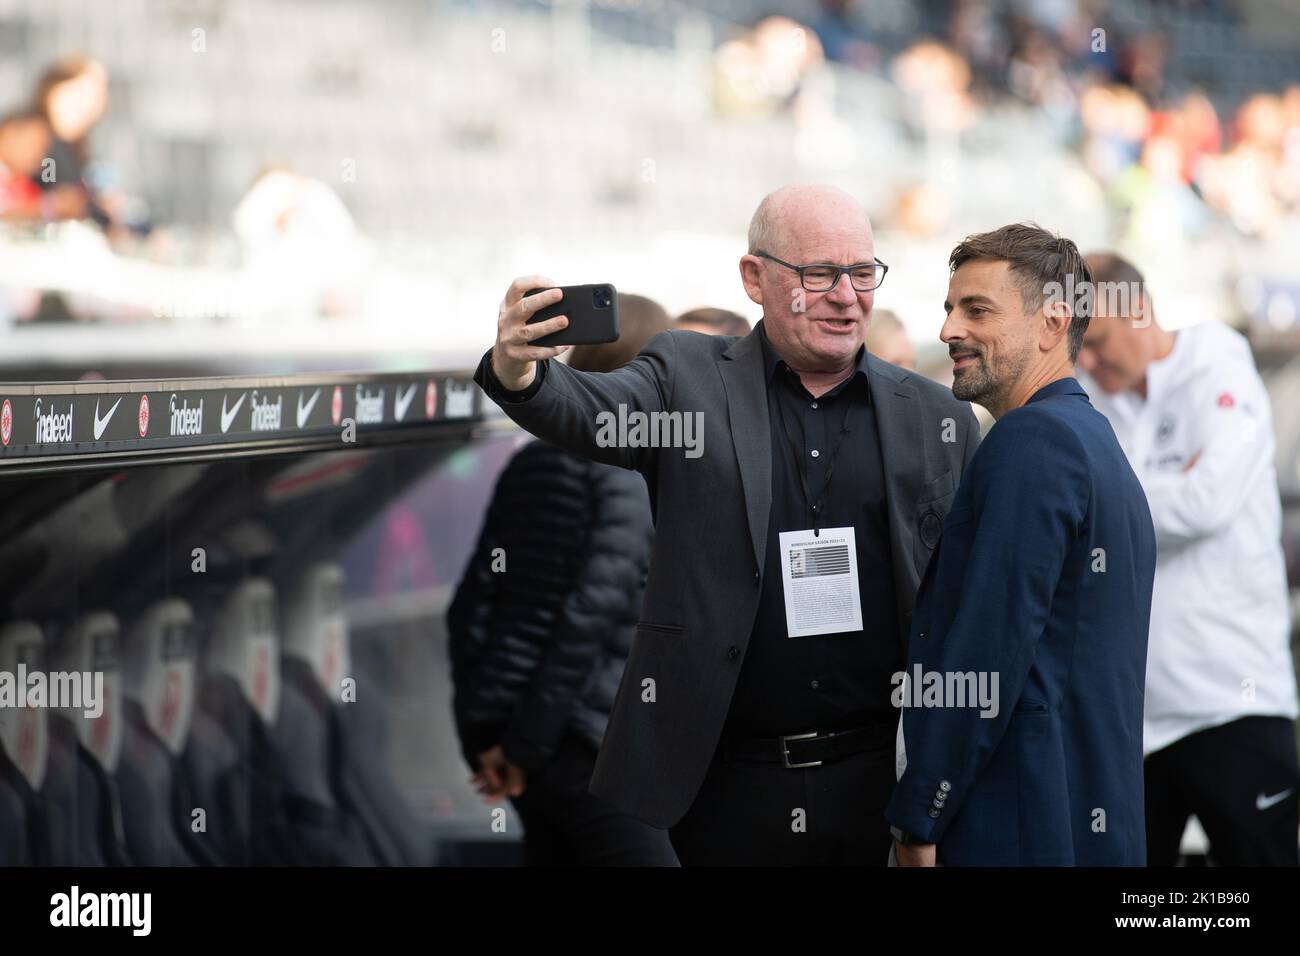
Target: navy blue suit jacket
pixel 1043 575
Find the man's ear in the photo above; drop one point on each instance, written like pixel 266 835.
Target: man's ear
pixel 1141 312
pixel 1057 316
pixel 749 272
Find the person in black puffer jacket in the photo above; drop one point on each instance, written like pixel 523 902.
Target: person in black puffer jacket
pixel 541 627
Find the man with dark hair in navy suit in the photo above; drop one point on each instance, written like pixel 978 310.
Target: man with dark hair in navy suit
pixel 1040 588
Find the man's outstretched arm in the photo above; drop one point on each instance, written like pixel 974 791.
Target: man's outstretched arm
pixel 575 410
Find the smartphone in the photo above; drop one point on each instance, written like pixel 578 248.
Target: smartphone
pixel 592 311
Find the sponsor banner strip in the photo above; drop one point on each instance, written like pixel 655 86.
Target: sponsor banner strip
pixel 88 419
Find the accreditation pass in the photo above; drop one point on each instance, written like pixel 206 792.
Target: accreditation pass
pixel 820 576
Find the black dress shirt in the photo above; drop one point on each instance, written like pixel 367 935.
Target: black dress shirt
pixel 824 682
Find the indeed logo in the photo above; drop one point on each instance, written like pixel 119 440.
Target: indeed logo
pixel 53 426
pixel 185 420
pixel 266 413
pixel 459 402
pixel 370 406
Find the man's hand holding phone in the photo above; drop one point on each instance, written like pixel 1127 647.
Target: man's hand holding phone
pixel 514 358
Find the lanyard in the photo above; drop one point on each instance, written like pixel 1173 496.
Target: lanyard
pixel 800 465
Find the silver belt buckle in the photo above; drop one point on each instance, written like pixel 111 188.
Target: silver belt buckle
pixel 785 751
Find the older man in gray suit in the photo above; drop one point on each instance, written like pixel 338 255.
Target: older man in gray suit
pixel 799 485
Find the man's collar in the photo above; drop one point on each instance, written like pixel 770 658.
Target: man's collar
pixel 1062 386
pixel 772 361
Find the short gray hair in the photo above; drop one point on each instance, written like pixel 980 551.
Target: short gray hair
pixel 762 226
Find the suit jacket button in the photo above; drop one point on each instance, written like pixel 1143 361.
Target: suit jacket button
pixel 934 814
pixel 922 634
pixel 931 528
pixel 945 786
pixel 938 804
pixel 733 652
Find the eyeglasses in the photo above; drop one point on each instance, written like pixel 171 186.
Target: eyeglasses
pixel 822 277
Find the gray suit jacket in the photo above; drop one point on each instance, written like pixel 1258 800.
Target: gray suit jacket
pixel 711 514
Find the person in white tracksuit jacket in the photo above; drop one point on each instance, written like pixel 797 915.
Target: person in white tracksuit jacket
pixel 1192 415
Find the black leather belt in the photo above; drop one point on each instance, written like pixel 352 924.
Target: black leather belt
pixel 807 750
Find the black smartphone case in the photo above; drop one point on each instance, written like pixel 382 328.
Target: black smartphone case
pixel 590 321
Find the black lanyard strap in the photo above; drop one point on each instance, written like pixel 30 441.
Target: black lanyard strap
pixel 801 464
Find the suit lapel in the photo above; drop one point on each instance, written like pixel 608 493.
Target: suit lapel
pixel 898 424
pixel 741 367
pixel 902 443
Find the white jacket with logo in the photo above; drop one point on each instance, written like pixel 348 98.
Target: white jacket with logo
pixel 1220 633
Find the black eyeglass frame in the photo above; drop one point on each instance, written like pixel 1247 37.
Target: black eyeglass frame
pixel 839 271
